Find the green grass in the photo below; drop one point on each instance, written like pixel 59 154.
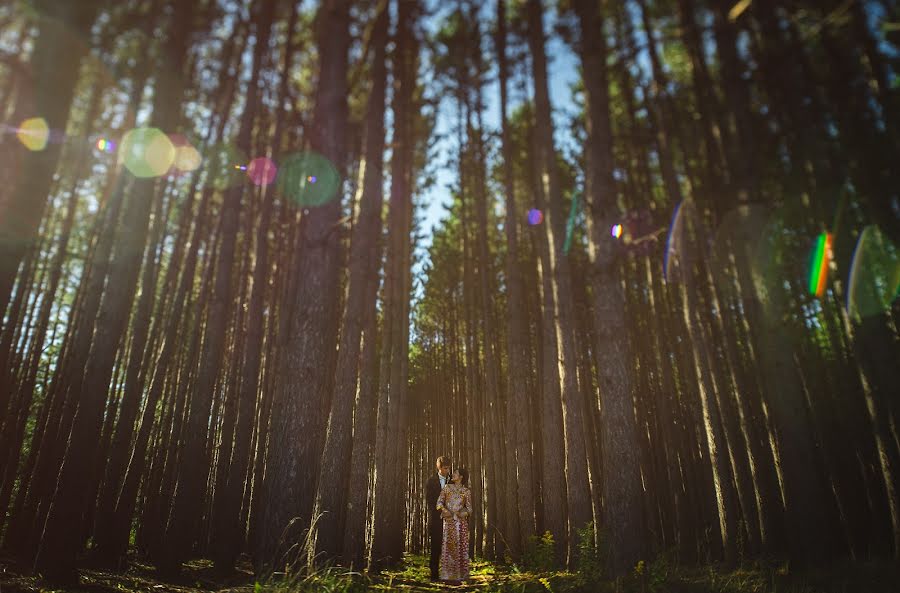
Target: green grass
pixel 658 576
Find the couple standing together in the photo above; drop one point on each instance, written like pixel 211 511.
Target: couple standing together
pixel 449 501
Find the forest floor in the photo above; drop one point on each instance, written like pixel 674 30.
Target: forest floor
pixel 199 576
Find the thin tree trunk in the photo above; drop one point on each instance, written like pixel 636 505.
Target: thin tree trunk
pixel 519 483
pixel 331 495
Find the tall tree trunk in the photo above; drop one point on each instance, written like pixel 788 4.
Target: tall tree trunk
pixel 55 66
pixel 552 509
pixel 505 515
pixel 60 541
pixel 141 355
pixel 227 536
pixel 183 524
pixel 303 395
pixel 395 347
pixel 111 537
pixel 520 477
pixel 359 502
pixel 578 494
pixel 15 414
pixel 331 495
pixel 619 440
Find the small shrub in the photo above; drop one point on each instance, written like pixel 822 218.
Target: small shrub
pixel 590 560
pixel 658 573
pixel 540 554
pixel 653 577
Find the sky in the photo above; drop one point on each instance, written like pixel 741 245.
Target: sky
pixel 563 73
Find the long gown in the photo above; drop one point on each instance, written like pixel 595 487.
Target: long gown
pixel 455 549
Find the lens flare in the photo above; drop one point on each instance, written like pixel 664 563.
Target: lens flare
pixel 160 154
pixel 261 171
pixel 106 145
pixel 222 164
pixel 308 179
pixel 535 217
pixel 147 152
pixel 187 158
pixel 570 224
pixel 33 133
pixel 677 255
pixel 616 231
pixel 818 272
pixel 874 275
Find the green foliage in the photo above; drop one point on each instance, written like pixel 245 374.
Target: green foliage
pixel 539 553
pixel 591 557
pixel 326 580
pixel 660 575
pixel 655 576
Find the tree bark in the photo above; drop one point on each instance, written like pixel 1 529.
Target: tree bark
pixel 578 495
pixel 619 441
pixel 60 540
pixel 395 346
pixel 55 66
pixel 520 476
pixel 302 397
pixel 334 472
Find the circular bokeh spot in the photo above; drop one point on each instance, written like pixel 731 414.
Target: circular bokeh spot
pixel 33 133
pixel 147 152
pixel 874 275
pixel 187 158
pixel 308 179
pixel 261 171
pixel 225 166
pixel 535 217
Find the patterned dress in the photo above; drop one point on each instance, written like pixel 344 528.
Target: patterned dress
pixel 455 551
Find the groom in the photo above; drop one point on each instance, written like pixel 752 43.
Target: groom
pixel 435 524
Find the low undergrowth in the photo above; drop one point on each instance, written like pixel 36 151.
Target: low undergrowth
pixel 534 575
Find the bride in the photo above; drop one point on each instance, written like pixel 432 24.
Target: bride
pixel 455 504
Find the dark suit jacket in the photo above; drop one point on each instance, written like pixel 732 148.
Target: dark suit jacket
pixel 432 492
